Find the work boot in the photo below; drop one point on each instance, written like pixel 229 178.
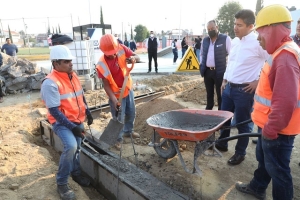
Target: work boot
pixel 134 135
pixel 1 98
pixel 245 188
pixel 65 192
pixel 118 146
pixel 81 180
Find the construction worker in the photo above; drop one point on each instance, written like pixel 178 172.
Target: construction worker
pixel 111 68
pixel 62 94
pixel 276 105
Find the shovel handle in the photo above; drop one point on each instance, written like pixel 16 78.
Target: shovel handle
pixel 128 69
pixel 117 110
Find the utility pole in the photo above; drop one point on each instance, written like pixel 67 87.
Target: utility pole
pixel 25 26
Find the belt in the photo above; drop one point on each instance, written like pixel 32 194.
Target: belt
pixel 211 68
pixel 237 85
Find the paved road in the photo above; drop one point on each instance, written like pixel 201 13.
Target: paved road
pixel 165 64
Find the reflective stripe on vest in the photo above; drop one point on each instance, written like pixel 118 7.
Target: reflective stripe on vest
pixel 71 97
pixel 263 94
pixel 103 68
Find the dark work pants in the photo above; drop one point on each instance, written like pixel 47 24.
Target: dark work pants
pixel 152 53
pixel 175 53
pixel 212 82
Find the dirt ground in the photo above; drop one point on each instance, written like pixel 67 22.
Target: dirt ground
pixel 28 165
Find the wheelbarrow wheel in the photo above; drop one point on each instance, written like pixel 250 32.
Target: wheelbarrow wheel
pixel 166 149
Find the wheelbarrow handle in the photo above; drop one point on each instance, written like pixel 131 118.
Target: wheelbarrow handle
pixel 236 125
pixel 239 136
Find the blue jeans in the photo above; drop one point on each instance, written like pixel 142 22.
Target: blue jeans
pixel 198 54
pixel 273 158
pixel 69 159
pixel 127 115
pixel 235 100
pixel 183 52
pixel 251 124
pixel 175 53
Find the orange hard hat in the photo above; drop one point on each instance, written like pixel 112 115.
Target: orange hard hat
pixel 108 44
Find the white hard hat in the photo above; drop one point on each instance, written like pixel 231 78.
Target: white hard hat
pixel 60 52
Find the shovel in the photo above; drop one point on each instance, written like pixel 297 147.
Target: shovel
pixel 114 127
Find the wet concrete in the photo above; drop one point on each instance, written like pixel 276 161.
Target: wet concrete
pixel 138 180
pixel 185 121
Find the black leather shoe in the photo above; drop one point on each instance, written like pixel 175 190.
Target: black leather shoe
pixel 236 159
pixel 254 141
pixel 81 180
pixel 245 188
pixel 148 71
pixel 221 148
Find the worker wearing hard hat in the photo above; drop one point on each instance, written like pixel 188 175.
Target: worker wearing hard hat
pixel 62 94
pixel 111 68
pixel 276 105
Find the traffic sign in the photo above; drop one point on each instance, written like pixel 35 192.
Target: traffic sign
pixel 189 62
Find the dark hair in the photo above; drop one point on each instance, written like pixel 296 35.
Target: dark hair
pixel 7 39
pixel 175 40
pixel 246 15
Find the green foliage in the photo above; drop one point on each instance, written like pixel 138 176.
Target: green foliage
pixel 34 51
pixel 131 34
pixel 141 33
pixel 56 30
pixel 226 18
pixel 59 29
pixel 10 36
pixel 125 36
pixel 101 20
pixel 259 5
pixel 49 32
pixel 293 8
pixel 53 30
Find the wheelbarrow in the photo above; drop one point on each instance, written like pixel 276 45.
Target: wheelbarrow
pixel 192 125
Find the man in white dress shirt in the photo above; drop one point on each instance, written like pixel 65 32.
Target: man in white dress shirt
pixel 246 58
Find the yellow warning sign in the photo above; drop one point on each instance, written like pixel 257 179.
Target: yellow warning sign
pixel 189 62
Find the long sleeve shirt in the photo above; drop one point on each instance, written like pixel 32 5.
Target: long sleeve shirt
pixel 211 52
pixel 245 60
pixel 284 82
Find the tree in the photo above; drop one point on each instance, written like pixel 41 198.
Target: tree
pixel 10 36
pixel 125 35
pixel 131 34
pixel 141 33
pixel 102 21
pixel 259 5
pixel 56 30
pixel 292 8
pixel 53 30
pixel 49 33
pixel 23 36
pixel 226 18
pixel 59 29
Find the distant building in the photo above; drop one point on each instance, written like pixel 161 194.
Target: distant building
pixel 16 37
pixel 41 37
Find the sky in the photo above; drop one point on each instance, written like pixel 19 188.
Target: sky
pixel 156 15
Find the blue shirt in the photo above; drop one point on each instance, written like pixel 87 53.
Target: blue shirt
pixel 10 49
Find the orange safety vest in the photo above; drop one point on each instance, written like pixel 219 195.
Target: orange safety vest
pixel 263 94
pixel 71 97
pixel 103 68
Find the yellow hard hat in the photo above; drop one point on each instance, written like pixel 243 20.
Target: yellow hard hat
pixel 272 14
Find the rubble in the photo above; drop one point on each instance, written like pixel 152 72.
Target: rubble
pixel 18 75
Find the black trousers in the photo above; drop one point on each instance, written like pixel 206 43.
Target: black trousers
pixel 152 53
pixel 211 81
